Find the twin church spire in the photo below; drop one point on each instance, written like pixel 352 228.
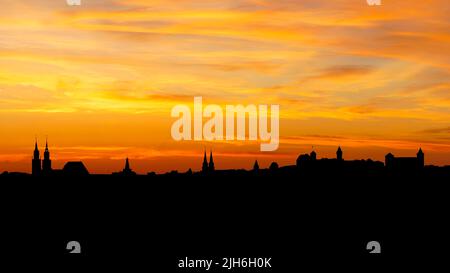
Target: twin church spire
pixel 41 166
pixel 208 167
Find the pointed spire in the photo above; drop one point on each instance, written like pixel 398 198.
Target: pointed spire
pixel 339 153
pixel 127 164
pixel 205 163
pixel 46 144
pixel 211 162
pixel 36 150
pixel 256 166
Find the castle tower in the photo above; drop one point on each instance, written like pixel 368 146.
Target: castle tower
pixel 46 163
pixel 389 161
pixel 420 158
pixel 205 164
pixel 36 162
pixel 339 154
pixel 211 162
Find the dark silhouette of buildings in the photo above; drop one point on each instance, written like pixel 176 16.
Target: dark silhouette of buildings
pixel 273 166
pixel 339 154
pixel 36 162
pixel 208 168
pixel 46 163
pixel 404 164
pixel 127 171
pixel 46 167
pixel 306 165
pixel 211 162
pixel 309 165
pixel 75 169
pixel 205 164
pixel 256 166
pixel 306 160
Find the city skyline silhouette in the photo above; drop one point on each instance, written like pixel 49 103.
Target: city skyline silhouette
pixel 306 162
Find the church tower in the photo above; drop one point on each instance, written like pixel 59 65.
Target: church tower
pixel 339 154
pixel 36 162
pixel 127 170
pixel 127 166
pixel 46 163
pixel 420 158
pixel 205 164
pixel 211 163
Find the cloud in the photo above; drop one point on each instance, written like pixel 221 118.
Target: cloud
pixel 445 130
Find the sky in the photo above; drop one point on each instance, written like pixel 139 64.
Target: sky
pixel 100 80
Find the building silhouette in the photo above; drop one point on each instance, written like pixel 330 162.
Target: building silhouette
pixel 404 164
pixel 75 169
pixel 306 160
pixel 127 171
pixel 205 164
pixel 211 163
pixel 307 165
pixel 46 163
pixel 208 167
pixel 44 167
pixel 36 161
pixel 339 154
pixel 273 166
pixel 256 166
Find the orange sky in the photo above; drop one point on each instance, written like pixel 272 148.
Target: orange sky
pixel 100 79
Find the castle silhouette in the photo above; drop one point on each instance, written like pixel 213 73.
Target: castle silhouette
pixel 306 163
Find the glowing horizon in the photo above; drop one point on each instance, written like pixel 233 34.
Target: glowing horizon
pixel 100 79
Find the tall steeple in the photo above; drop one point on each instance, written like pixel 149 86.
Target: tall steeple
pixel 46 163
pixel 36 161
pixel 211 162
pixel 205 164
pixel 420 158
pixel 46 152
pixel 339 154
pixel 127 170
pixel 36 151
pixel 127 165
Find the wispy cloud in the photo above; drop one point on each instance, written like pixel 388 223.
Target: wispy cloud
pixel 356 69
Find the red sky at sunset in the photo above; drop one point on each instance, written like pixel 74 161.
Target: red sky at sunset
pixel 101 79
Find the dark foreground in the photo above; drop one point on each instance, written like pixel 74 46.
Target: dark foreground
pixel 153 222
